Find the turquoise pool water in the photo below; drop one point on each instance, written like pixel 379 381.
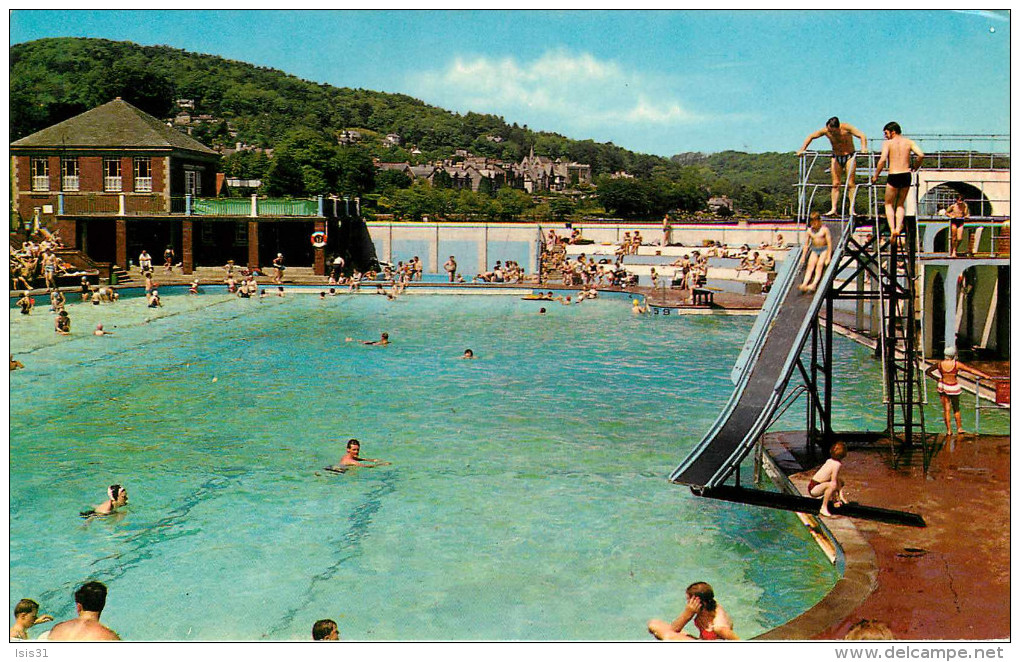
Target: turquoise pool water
pixel 526 500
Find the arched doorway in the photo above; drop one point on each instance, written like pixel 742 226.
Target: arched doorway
pixel 939 197
pixel 938 316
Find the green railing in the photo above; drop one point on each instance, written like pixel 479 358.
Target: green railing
pixel 220 207
pixel 278 207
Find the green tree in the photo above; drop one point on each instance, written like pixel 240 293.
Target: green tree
pixel 284 176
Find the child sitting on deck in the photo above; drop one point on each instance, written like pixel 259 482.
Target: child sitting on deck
pixel 827 482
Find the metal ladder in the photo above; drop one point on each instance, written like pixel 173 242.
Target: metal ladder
pixel 894 270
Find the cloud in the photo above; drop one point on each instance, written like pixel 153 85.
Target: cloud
pixel 572 89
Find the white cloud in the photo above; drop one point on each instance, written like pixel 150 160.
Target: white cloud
pixel 571 89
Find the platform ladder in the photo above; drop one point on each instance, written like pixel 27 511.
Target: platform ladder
pixel 900 341
pixel 892 270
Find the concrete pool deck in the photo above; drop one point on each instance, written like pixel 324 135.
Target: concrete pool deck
pixel 949 580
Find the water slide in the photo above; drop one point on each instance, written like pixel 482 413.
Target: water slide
pixel 761 374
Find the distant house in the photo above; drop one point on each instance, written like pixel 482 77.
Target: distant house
pixel 185 103
pixel 392 140
pixel 540 173
pixel 720 204
pixel 349 137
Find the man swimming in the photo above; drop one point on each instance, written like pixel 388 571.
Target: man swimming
pixel 89 601
pixel 352 458
pixel 384 339
pixel 896 151
pixel 841 136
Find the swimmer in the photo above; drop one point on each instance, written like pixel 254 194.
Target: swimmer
pixel 709 617
pixel 118 499
pixel 15 364
pixel 26 615
pixel 468 354
pixel 384 339
pixel 949 387
pixel 101 332
pixel 89 601
pixel 322 296
pixel 194 287
pixel 541 311
pixel 332 291
pixel 325 630
pixel 279 291
pixel 27 303
pixel 826 481
pixel 817 253
pixel 637 308
pixel 62 324
pixel 352 458
pixel 154 300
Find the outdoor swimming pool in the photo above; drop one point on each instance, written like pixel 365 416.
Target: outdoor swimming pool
pixel 526 500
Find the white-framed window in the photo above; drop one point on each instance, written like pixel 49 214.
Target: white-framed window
pixel 112 180
pixel 143 174
pixel 69 175
pixel 40 174
pixel 192 182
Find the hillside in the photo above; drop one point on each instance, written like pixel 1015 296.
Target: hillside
pixel 54 79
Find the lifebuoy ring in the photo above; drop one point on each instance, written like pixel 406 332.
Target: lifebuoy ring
pixel 319 239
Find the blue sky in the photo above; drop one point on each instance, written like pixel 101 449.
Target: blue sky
pixel 651 81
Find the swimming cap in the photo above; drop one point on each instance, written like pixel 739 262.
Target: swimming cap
pixel 950 352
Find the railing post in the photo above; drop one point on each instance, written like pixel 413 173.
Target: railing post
pixel 60 203
pixel 187 205
pixel 320 207
pixel 254 205
pixel 121 205
pixel 977 406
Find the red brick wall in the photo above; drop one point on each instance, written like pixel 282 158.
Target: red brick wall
pixel 90 173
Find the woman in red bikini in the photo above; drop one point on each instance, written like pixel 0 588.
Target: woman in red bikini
pixel 709 617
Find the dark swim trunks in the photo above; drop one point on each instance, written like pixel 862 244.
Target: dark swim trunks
pixel 842 159
pixel 899 179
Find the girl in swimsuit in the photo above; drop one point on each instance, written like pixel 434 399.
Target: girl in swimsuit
pixel 949 388
pixel 827 483
pixel 817 253
pixel 709 617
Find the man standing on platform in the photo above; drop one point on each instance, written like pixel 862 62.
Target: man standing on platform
pixel 896 152
pixel 841 136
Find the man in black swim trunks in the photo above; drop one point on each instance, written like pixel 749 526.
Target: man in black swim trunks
pixel 841 136
pixel 958 214
pixel 896 151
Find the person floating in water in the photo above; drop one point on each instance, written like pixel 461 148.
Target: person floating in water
pixel 844 161
pixel 896 151
pixel 16 364
pixel 709 617
pixel 352 458
pixel 817 253
pixel 827 482
pixel 100 331
pixel 118 498
pixel 384 339
pixel 26 614
pixel 468 354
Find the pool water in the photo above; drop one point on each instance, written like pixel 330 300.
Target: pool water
pixel 527 497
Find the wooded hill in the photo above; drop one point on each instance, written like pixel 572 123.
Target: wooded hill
pixel 54 79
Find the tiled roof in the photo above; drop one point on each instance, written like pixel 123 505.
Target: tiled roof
pixel 116 124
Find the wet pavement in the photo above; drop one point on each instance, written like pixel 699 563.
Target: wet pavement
pixel 949 580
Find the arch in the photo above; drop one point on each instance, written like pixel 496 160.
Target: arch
pixel 941 196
